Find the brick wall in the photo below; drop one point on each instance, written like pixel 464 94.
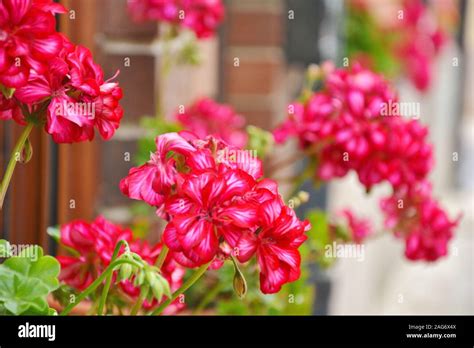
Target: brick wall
pixel 254 61
pixel 134 50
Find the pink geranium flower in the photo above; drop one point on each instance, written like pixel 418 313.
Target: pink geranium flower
pixel 213 202
pixel 276 243
pixel 201 16
pixel 414 215
pixel 359 228
pixel 79 98
pixel 349 125
pixel 206 117
pixel 95 243
pixel 28 38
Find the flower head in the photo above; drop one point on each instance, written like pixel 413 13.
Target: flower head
pixel 78 99
pixel 351 124
pixel 95 243
pixel 200 16
pixel 206 117
pixel 414 215
pixel 28 38
pixel 212 199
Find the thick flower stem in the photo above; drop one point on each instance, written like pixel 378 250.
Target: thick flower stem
pixel 108 281
pixel 12 162
pixel 162 257
pixel 97 282
pixel 194 278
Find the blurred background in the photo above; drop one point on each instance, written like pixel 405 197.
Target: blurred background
pixel 272 48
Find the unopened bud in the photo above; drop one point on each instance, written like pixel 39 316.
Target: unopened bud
pixel 240 284
pixel 125 271
pixel 26 152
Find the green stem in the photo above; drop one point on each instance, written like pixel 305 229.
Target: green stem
pixel 12 162
pixel 108 282
pixel 110 268
pixel 162 257
pixel 194 278
pixel 140 300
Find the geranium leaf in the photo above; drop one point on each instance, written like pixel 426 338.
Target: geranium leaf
pixel 26 280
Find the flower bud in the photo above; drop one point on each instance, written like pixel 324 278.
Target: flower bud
pixel 240 284
pixel 125 271
pixel 166 286
pixel 157 289
pixel 26 152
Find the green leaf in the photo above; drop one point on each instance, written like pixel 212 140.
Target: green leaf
pixel 319 236
pixel 319 228
pixel 26 280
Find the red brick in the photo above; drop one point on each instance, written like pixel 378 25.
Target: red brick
pixel 252 77
pixel 137 82
pixel 114 21
pixel 255 29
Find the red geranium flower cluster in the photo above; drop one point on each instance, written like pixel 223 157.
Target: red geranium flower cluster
pixel 359 228
pixel 95 243
pixel 218 205
pixel 345 127
pixel 413 34
pixel 28 38
pixel 421 43
pixel 56 81
pixel 206 117
pixel 201 16
pixel 414 215
pixel 351 124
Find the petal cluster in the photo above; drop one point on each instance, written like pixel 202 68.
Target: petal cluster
pixel 206 117
pixel 52 81
pixel 94 244
pixel 28 38
pixel 354 124
pixel 415 216
pixel 218 205
pixel 78 98
pixel 201 16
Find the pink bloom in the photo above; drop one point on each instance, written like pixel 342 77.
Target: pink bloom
pixel 95 244
pixel 77 95
pixel 10 110
pixel 206 117
pixel 358 228
pixel 151 181
pixel 350 125
pixel 201 16
pixel 213 204
pixel 206 209
pixel 415 216
pixel 276 243
pixel 28 38
pixel 421 40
